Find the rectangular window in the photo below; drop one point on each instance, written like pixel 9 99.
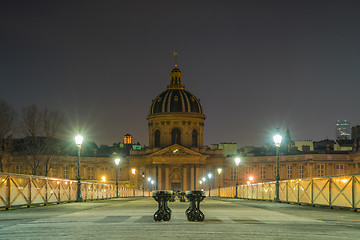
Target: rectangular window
pixel 233 172
pixel 289 171
pixel 248 170
pixel 54 171
pixel 320 170
pixel 66 172
pixel 90 173
pixel 18 169
pixel 301 171
pixel 262 172
pixel 120 173
pixel 275 170
pixel 339 169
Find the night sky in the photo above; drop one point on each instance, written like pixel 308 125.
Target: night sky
pixel 255 65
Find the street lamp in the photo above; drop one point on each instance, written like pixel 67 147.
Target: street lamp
pixel 219 172
pixel 277 140
pixel 133 171
pixel 78 140
pixel 237 162
pixel 149 182
pixel 117 161
pixel 209 176
pixel 143 186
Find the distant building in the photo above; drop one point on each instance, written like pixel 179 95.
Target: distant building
pixel 304 145
pixel 343 130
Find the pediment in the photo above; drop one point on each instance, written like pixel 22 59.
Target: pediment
pixel 176 151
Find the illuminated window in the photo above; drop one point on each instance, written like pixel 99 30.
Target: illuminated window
pixel 339 168
pixel 176 136
pixel 301 171
pixel 320 170
pixel 157 138
pixel 262 172
pixel 289 171
pixel 194 138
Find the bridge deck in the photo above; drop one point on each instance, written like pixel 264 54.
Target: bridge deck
pixel 224 218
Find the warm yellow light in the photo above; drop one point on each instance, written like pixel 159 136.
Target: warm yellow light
pixel 152 181
pixel 203 179
pixel 78 140
pixel 248 182
pixel 117 161
pixel 237 161
pixel 219 170
pixel 200 182
pixel 209 175
pixel 58 182
pixel 149 179
pixel 251 178
pixel 103 178
pixel 344 180
pixel 133 171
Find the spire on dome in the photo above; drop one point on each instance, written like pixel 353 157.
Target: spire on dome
pixel 175 82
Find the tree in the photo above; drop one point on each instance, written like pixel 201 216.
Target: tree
pixel 7 119
pixel 41 129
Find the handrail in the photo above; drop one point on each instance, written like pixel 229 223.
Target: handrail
pixel 333 191
pixel 28 190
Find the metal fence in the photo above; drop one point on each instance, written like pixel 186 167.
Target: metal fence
pixel 27 190
pixel 333 191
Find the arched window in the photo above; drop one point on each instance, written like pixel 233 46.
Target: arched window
pixel 175 136
pixel 194 138
pixel 157 138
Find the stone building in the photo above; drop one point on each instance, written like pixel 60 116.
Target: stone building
pixel 177 159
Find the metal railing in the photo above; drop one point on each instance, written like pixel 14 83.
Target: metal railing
pixel 27 190
pixel 333 191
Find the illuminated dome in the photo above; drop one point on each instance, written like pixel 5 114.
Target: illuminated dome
pixel 176 99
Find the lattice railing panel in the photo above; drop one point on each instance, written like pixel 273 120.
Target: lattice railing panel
pixel 341 191
pixel 292 190
pixel 321 191
pixel 305 191
pixel 19 190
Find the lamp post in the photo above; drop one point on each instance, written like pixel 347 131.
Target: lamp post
pixel 219 172
pixel 237 162
pixel 203 181
pixel 117 161
pixel 209 176
pixel 133 171
pixel 149 182
pixel 277 140
pixel 78 140
pixel 143 187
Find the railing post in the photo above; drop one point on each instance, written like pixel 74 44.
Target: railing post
pixel 287 191
pixel 353 194
pixel 30 183
pixel 312 191
pixel 46 191
pixel 298 195
pixel 8 193
pixel 330 192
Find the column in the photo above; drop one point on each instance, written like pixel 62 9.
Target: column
pixel 185 179
pixel 160 184
pixel 167 177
